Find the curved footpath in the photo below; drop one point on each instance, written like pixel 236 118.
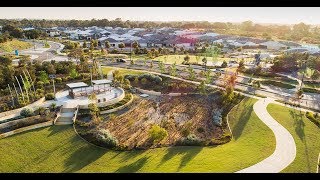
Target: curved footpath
pixel 285 151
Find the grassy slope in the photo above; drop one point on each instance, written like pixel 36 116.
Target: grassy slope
pixel 58 149
pixel 306 136
pixel 10 46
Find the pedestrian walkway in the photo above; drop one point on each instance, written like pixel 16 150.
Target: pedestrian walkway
pixel 285 151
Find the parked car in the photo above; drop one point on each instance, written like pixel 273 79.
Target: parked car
pixel 121 60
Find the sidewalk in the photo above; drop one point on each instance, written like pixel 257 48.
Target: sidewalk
pixel 285 151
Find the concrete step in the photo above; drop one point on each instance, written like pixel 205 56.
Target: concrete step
pixel 63 123
pixel 64 119
pixel 66 110
pixel 67 114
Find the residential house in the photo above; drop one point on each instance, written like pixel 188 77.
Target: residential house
pixel 274 45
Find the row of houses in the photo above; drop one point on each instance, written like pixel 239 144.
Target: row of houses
pixel 172 37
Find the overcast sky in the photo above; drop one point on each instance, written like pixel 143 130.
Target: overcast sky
pixel 283 15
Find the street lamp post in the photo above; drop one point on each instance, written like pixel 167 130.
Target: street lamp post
pixel 90 66
pixel 52 76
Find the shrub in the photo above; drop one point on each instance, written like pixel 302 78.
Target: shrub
pixel 185 132
pixel 190 140
pixel 311 90
pixel 53 106
pixel 200 130
pixel 144 81
pixel 224 64
pixel 26 112
pixel 157 133
pixel 217 117
pixel 277 83
pixel 58 80
pixel 64 79
pixel 49 96
pixel 104 137
pixel 40 84
pixel 313 118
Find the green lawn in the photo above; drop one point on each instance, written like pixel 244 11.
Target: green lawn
pixel 306 136
pixel 59 149
pixel 10 46
pixel 106 69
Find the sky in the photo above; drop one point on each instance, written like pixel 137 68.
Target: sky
pixel 278 15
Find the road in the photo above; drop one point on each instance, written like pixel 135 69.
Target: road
pixel 310 100
pixel 45 54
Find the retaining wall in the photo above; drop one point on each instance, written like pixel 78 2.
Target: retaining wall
pixel 110 102
pixel 35 126
pixel 154 93
pixel 10 123
pixel 118 108
pixel 33 105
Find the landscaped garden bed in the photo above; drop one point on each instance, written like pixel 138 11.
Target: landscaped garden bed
pixel 277 84
pixel 29 117
pixel 191 120
pixel 311 90
pixel 313 118
pixel 161 84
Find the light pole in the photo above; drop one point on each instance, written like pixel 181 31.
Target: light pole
pixel 11 95
pixel 130 50
pixel 52 76
pixel 90 66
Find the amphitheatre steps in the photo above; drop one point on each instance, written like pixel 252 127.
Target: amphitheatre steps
pixel 66 116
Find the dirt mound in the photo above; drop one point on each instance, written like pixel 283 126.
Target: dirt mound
pixel 180 116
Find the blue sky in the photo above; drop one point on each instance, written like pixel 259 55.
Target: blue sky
pixel 283 15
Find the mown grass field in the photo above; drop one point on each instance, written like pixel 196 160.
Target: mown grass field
pixel 106 69
pixel 59 149
pixel 10 46
pixel 306 136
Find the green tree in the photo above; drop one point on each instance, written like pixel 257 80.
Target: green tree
pixel 173 69
pixel 227 95
pixel 43 76
pixel 157 133
pixel 135 44
pixel 202 88
pixel 208 77
pixel 107 44
pixel 186 59
pixel 151 64
pixel 192 74
pixel 205 61
pixel 149 55
pixel 241 66
pixel 73 73
pixel 84 44
pixel 121 46
pixel 161 67
pixel 224 64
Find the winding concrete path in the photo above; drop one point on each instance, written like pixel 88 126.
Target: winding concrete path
pixel 285 151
